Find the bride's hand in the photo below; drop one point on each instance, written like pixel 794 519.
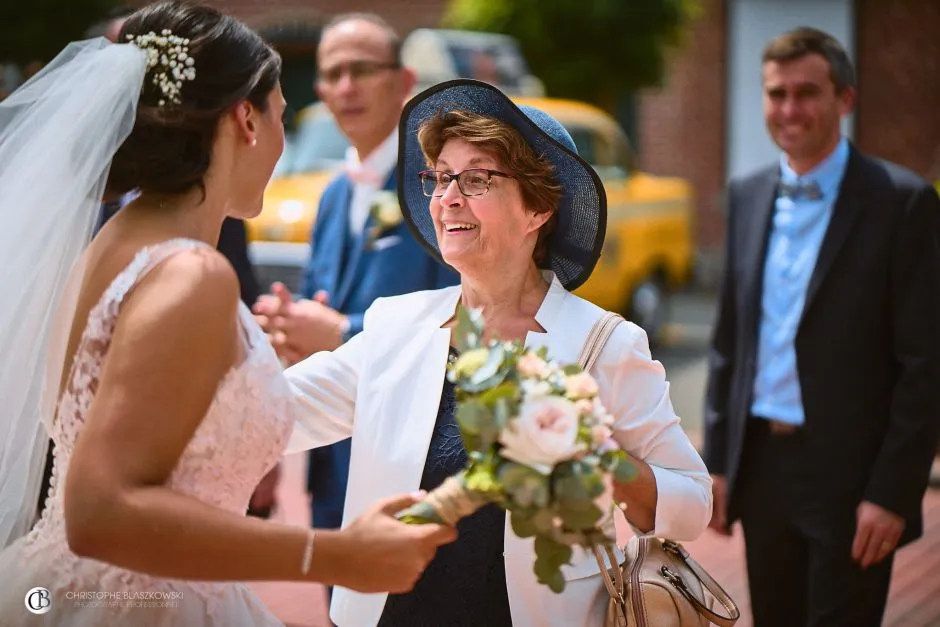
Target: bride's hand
pixel 385 555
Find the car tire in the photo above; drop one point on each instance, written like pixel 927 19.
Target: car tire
pixel 649 307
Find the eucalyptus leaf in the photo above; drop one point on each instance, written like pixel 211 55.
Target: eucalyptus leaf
pixel 625 471
pixel 524 486
pixel 470 416
pixel 492 366
pixel 550 576
pixel 503 411
pixel 469 329
pixel 523 526
pixel 580 518
pixel 572 493
pixel 551 552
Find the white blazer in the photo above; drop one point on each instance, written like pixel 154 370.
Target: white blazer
pixel 383 389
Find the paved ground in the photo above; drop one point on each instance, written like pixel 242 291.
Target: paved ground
pixel 915 592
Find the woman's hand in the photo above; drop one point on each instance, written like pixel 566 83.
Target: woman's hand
pixel 378 553
pixel 638 497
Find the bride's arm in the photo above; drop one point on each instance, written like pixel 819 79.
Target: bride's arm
pixel 173 343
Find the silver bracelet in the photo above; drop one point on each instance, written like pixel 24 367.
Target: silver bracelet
pixel 308 553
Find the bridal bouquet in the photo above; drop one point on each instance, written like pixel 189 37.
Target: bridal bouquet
pixel 539 444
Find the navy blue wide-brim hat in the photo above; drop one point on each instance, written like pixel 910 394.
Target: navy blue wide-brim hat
pixel 575 245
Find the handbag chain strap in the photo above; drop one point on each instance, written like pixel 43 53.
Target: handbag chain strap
pixel 613 574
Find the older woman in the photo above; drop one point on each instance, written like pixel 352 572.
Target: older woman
pixel 499 194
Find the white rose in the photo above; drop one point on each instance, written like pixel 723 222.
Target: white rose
pixel 536 389
pixel 544 434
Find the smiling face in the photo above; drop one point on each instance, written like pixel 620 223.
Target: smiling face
pixel 492 230
pixel 803 108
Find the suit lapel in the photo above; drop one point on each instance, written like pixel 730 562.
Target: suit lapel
pixel 756 234
pixel 844 213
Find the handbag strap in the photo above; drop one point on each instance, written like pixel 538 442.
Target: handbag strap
pixel 593 345
pixel 616 587
pixel 613 574
pixel 707 582
pixel 597 338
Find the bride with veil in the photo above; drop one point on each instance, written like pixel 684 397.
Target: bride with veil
pixel 133 353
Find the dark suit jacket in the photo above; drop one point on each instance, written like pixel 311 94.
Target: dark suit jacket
pixel 868 343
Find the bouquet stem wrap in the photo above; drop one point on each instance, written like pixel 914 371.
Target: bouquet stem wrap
pixel 446 504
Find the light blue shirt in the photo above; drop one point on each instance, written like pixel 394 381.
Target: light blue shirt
pixel 796 236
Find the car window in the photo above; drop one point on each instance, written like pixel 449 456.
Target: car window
pixel 498 65
pixel 586 142
pixel 598 150
pixel 317 145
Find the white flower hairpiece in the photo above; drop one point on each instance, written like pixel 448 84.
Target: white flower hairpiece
pixel 171 54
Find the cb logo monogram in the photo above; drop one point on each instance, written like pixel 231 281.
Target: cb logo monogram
pixel 38 600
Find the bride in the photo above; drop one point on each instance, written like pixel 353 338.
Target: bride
pixel 165 402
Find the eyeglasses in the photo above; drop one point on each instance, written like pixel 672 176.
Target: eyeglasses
pixel 474 182
pixel 357 70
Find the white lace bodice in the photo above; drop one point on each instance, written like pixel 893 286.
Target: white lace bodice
pixel 241 437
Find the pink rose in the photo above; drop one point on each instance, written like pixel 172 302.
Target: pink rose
pixel 543 434
pixel 581 385
pixel 531 365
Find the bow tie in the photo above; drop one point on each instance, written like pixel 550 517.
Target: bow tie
pixel 363 175
pixel 809 190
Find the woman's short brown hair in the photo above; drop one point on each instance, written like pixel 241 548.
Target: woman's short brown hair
pixel 540 189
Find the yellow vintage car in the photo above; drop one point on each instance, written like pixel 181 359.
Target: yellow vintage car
pixel 648 250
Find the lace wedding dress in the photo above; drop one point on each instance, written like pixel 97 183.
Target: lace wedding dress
pixel 241 437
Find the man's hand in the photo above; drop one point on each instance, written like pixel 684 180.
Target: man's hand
pixel 299 329
pixel 270 306
pixel 877 533
pixel 719 521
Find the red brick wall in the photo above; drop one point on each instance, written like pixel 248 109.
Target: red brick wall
pixel 898 59
pixel 682 124
pixel 404 15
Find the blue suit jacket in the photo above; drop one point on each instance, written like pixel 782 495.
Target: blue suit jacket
pixel 354 276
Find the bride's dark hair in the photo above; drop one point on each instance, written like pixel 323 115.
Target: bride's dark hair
pixel 170 146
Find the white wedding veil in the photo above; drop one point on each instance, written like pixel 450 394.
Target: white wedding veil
pixel 58 134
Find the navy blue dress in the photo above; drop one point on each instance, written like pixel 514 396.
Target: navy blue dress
pixel 465 583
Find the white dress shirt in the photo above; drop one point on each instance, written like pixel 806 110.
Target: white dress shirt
pixel 369 176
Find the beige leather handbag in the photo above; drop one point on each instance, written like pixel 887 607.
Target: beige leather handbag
pixel 658 584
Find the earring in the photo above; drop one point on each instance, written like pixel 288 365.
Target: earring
pixel 254 141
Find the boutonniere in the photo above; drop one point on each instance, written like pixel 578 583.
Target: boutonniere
pixel 385 213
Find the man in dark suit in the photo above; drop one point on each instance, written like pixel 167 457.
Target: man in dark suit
pixel 823 401
pixel 361 248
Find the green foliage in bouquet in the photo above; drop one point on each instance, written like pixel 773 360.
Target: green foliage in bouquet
pixel 539 444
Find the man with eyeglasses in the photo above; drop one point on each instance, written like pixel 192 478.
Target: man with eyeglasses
pixel 361 248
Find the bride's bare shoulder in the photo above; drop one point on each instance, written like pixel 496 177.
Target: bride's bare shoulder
pixel 198 284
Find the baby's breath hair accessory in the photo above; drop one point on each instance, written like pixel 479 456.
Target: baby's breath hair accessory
pixel 170 55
